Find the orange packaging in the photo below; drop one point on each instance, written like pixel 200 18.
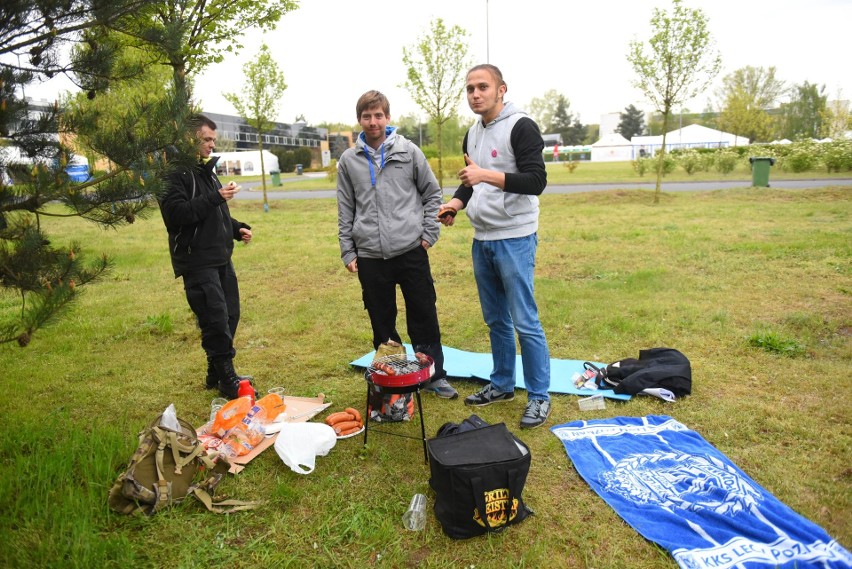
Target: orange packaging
pixel 249 431
pixel 232 413
pixel 272 406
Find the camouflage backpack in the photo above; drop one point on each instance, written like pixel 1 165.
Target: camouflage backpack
pixel 168 465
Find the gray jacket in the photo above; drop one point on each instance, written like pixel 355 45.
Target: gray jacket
pixel 387 199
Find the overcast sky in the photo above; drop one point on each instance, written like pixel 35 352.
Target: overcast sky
pixel 331 51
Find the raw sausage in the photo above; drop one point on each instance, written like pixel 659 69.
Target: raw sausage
pixel 349 431
pixel 354 412
pixel 345 426
pixel 338 417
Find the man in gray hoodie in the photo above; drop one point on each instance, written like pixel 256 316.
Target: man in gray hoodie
pixel 500 186
pixel 387 205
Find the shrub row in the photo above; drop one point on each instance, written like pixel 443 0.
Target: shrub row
pixel 835 156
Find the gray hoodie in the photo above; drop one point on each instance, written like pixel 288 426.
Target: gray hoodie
pixel 385 210
pixel 493 213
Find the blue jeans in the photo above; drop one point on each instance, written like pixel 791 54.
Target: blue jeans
pixel 504 279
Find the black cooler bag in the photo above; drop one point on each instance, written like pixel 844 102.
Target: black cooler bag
pixel 478 477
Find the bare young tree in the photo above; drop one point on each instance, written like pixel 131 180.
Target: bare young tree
pixel 437 65
pixel 261 94
pixel 678 62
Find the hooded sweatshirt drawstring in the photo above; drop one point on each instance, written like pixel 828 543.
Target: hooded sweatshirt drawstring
pixel 369 158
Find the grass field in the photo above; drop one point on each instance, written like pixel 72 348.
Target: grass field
pixel 585 173
pixel 753 285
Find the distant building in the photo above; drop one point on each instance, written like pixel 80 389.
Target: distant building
pixel 281 136
pixel 609 123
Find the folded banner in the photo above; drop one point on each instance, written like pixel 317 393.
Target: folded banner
pixel 677 490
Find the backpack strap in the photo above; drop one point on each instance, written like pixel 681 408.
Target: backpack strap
pixel 602 379
pixel 222 506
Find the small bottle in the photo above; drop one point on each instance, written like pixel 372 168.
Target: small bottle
pixel 415 518
pixel 246 390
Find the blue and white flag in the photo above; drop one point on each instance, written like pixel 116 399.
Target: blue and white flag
pixel 679 491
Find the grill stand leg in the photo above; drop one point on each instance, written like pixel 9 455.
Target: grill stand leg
pixel 367 415
pixel 422 426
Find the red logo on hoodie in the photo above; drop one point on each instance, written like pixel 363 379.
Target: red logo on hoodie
pixel 493 153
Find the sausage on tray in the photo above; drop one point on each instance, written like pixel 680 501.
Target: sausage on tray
pixel 349 431
pixel 339 428
pixel 340 416
pixel 354 412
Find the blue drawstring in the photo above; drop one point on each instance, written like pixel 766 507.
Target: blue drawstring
pixel 370 162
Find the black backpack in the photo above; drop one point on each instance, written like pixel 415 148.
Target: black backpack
pixel 656 367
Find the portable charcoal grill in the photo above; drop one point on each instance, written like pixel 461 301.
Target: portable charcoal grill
pixel 401 370
pixel 399 374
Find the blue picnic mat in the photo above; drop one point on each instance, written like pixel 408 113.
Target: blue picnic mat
pixel 679 491
pixel 459 363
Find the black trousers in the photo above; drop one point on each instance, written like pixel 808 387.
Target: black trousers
pixel 412 272
pixel 214 296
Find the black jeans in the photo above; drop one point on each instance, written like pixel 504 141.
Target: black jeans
pixel 411 271
pixel 214 296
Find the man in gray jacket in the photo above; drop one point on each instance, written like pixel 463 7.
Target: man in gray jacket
pixel 387 206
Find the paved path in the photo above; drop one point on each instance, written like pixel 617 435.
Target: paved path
pixel 252 190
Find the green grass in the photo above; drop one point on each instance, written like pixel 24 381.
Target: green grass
pixel 585 173
pixel 731 278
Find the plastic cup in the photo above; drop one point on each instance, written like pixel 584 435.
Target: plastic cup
pixel 415 518
pixel 279 391
pixel 215 405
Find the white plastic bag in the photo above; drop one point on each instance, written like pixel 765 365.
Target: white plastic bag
pixel 169 419
pixel 298 444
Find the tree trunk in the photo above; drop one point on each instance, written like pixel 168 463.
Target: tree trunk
pixel 661 158
pixel 262 171
pixel 440 156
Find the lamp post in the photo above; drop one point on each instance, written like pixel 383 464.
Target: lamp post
pixel 487 36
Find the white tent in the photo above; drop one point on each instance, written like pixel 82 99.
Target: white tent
pixel 692 136
pixel 245 163
pixel 612 147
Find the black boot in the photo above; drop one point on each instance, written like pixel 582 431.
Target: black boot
pixel 213 378
pixel 228 380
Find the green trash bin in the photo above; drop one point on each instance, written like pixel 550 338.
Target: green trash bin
pixel 298 169
pixel 276 178
pixel 760 171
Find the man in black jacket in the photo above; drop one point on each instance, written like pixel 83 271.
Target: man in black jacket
pixel 201 240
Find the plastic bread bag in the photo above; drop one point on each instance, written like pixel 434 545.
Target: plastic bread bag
pixel 298 444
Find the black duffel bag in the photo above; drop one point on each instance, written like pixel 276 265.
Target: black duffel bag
pixel 478 477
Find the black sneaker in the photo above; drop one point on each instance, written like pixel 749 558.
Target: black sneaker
pixel 535 414
pixel 488 395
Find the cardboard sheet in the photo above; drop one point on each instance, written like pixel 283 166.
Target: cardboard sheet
pixel 299 410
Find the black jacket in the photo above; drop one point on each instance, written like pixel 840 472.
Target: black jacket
pixel 201 229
